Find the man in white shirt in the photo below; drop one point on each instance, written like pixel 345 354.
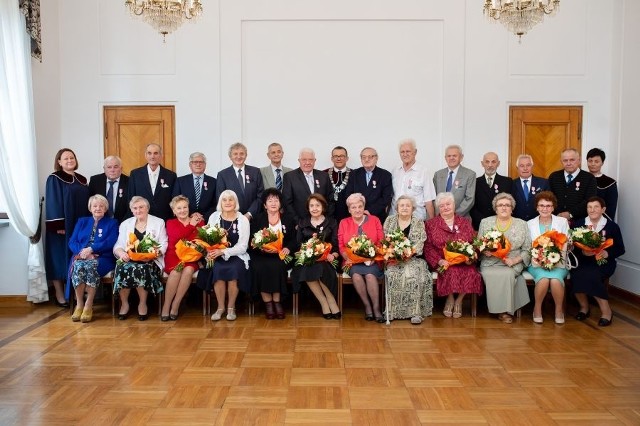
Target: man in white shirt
pixel 412 179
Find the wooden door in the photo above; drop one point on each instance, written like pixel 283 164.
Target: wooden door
pixel 543 132
pixel 129 129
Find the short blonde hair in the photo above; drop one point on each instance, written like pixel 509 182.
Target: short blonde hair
pixel 354 198
pixel 99 198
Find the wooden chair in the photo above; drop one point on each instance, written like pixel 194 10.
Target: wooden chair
pixel 345 279
pixel 474 297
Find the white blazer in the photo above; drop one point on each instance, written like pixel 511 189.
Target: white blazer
pixel 558 223
pixel 244 232
pixel 155 227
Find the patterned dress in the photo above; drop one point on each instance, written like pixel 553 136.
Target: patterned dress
pixel 147 275
pixel 409 283
pixel 459 278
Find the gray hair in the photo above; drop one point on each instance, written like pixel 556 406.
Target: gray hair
pixel 503 196
pixel 454 146
pixel 154 144
pixel 100 199
pixel 407 197
pixel 571 150
pixel 112 158
pixel 354 198
pixel 445 196
pixel 307 151
pixel 524 157
pixel 375 152
pixel 226 194
pixel 137 199
pixel 196 154
pixel 237 145
pixel 408 141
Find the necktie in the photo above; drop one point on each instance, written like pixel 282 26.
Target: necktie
pixel 110 196
pixel 198 190
pixel 241 180
pixel 154 183
pixel 278 180
pixel 525 189
pixel 569 179
pixel 449 181
pixel 309 182
pixel 368 177
pixel 489 181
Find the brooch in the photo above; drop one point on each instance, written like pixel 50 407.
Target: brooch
pixel 317 184
pixel 577 186
pixel 374 184
pixel 204 184
pixel 120 192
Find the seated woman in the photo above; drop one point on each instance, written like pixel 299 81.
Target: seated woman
pixel 268 271
pixel 506 287
pixel 183 227
pixel 320 277
pixel 588 279
pixel 364 275
pixel 146 276
pixel 230 272
pixel 461 278
pixel 546 279
pixel 91 244
pixel 409 283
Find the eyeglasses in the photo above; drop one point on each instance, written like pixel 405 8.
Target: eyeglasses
pixel 368 157
pixel 545 206
pixel 503 205
pixel 197 162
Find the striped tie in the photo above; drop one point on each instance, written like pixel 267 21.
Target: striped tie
pixel 278 180
pixel 198 190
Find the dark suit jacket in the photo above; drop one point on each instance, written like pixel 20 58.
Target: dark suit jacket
pixel 253 187
pixel 573 198
pixel 378 195
pixel 98 185
pixel 184 186
pixel 484 196
pixel 295 192
pixel 526 210
pixel 139 185
pixel 340 210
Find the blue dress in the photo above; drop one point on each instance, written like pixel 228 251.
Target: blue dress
pixel 559 273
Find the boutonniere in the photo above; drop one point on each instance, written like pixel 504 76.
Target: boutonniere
pixel 533 189
pixel 577 186
pixel 374 184
pixel 99 232
pixel 456 184
pixel 247 178
pixel 120 192
pixel 162 184
pixel 495 187
pixel 204 184
pixel 317 184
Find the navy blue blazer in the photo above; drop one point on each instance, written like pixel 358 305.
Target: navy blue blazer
pixel 103 241
pixel 250 199
pixel 295 192
pixel 482 206
pixel 378 194
pixel 184 186
pixel 159 202
pixel 98 185
pixel 526 210
pixel 573 198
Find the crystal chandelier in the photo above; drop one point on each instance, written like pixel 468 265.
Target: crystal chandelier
pixel 519 16
pixel 165 16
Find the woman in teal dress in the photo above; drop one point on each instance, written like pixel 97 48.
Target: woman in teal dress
pixel 546 279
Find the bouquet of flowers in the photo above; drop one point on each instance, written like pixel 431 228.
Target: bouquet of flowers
pixel 591 241
pixel 188 251
pixel 211 238
pixel 456 252
pixel 270 242
pixel 142 250
pixel 494 243
pixel 314 250
pixel 360 249
pixel 395 247
pixel 547 249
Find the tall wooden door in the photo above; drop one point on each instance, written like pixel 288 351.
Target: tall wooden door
pixel 543 132
pixel 129 129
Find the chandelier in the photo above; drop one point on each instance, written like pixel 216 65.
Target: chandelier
pixel 165 16
pixel 519 16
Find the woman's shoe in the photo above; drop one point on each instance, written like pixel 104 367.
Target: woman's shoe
pixel 327 316
pixel 457 311
pixel 448 309
pixel 173 317
pixel 560 319
pixel 279 310
pixel 64 304
pixel 87 314
pixel 337 315
pixel 505 318
pixel 368 317
pixel 603 322
pixel 164 318
pixel 143 317
pixel 124 316
pixel 231 314
pixel 416 320
pixel 380 320
pixel 581 316
pixel 77 314
pixel 538 320
pixel 217 316
pixel 269 313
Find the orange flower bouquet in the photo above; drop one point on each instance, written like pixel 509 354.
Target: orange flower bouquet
pixel 143 250
pixel 546 250
pixel 270 242
pixel 314 250
pixel 188 251
pixel 360 249
pixel 395 247
pixel 493 243
pixel 211 238
pixel 592 242
pixel 456 252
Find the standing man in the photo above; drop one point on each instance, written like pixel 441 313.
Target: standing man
pixel 153 182
pixel 304 181
pixel 113 185
pixel 273 173
pixel 198 187
pixel 572 186
pixel 413 180
pixel 487 186
pixel 525 187
pixel 457 179
pixel 244 180
pixel 339 176
pixel 373 182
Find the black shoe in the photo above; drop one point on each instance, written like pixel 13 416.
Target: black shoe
pixel 143 317
pixel 380 320
pixel 327 316
pixel 173 317
pixel 581 316
pixel 337 315
pixel 603 322
pixel 164 318
pixel 64 304
pixel 368 317
pixel 123 317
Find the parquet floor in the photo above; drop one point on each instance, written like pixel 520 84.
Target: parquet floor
pixel 308 370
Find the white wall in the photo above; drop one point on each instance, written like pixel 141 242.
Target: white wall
pixel 354 73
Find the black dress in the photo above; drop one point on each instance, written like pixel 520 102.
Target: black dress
pixel 268 272
pixel 608 191
pixel 323 271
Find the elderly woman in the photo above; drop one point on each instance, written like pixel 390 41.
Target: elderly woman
pixel 546 279
pixel 461 278
pixel 268 271
pixel 91 244
pixel 409 283
pixel 589 278
pixel 66 198
pixel 144 276
pixel 320 277
pixel 506 288
pixel 364 275
pixel 230 272
pixel 183 227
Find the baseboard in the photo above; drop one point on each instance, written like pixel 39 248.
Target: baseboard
pixel 625 295
pixel 14 301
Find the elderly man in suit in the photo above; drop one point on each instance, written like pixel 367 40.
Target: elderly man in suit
pixel 244 180
pixel 572 186
pixel 272 175
pixel 374 183
pixel 457 179
pixel 487 186
pixel 198 187
pixel 302 182
pixel 112 184
pixel 525 187
pixel 153 182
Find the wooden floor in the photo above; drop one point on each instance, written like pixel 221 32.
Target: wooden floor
pixel 308 370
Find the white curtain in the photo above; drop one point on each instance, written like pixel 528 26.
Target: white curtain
pixel 18 168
